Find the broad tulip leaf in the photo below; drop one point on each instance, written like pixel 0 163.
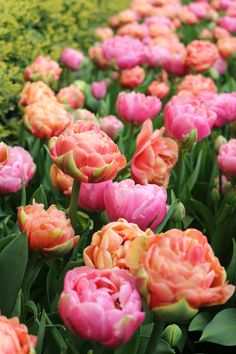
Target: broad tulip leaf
pixel 204 213
pixel 192 180
pixel 41 333
pixel 231 270
pixel 168 216
pixel 200 321
pixel 39 196
pixel 222 329
pixel 132 346
pixel 172 335
pixel 13 261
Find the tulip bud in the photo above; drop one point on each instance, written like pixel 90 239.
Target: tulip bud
pixel 230 197
pixel 81 85
pixel 172 335
pixel 179 212
pixel 189 140
pixel 215 195
pixel 219 141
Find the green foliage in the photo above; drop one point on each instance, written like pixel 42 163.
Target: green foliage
pixel 29 28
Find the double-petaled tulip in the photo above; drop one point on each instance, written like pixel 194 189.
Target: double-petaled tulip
pixel 60 180
pixel 14 337
pixel 182 114
pixel 72 58
pixel 136 107
pixel 144 205
pixel 154 157
pixel 34 92
pixel 48 231
pixel 86 153
pixel 44 69
pixel 109 245
pixel 111 126
pixel 101 305
pixel 227 46
pixel 46 118
pixel 99 89
pixel 85 115
pixel 103 33
pixel 177 272
pixel 4 154
pixel 130 78
pixel 227 158
pixel 71 96
pixel 127 52
pixel 228 23
pixel 195 84
pixel 158 89
pixel 201 55
pixel 18 167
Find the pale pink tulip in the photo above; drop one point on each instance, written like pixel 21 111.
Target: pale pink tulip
pixel 99 89
pixel 227 158
pixel 111 126
pixel 72 58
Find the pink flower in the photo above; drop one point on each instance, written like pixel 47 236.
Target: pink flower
pixel 72 58
pixel 91 196
pixel 142 205
pixel 127 52
pixel 101 305
pixel 99 89
pixel 182 114
pixel 223 104
pixel 220 65
pixel 228 23
pixel 71 96
pixel 201 9
pixel 111 126
pixel 19 166
pixel 136 107
pixel 227 158
pixel 44 69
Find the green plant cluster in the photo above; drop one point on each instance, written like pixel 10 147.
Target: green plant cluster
pixel 32 27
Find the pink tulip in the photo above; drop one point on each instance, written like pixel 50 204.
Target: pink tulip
pixel 223 104
pixel 220 65
pixel 111 126
pixel 72 58
pixel 101 305
pixel 91 196
pixel 142 205
pixel 19 167
pixel 99 89
pixel 136 107
pixel 71 96
pixel 182 114
pixel 228 23
pixel 44 69
pixel 201 9
pixel 227 158
pixel 126 51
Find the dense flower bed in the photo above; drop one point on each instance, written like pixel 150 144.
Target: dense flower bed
pixel 118 204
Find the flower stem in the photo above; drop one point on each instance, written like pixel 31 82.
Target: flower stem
pixel 155 336
pixel 74 202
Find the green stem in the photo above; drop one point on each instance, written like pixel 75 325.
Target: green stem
pixel 74 202
pixel 155 336
pixel 180 171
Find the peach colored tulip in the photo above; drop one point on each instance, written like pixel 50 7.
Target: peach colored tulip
pixel 195 84
pixel 71 97
pixel 103 33
pixel 97 56
pixel 4 154
pixel 48 231
pixel 14 337
pixel 46 118
pixel 109 245
pixel 44 69
pixel 154 157
pixel 227 46
pixel 60 180
pixel 201 55
pixel 86 153
pixel 178 267
pixel 34 92
pixel 130 78
pixel 111 126
pixel 158 89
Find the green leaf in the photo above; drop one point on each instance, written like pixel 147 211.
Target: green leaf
pixel 222 329
pixel 168 216
pixel 13 261
pixel 172 334
pixel 204 213
pixel 57 336
pixel 41 333
pixel 192 180
pixel 23 193
pixel 132 346
pixel 231 270
pixel 200 321
pixel 18 305
pixel 39 196
pixel 164 348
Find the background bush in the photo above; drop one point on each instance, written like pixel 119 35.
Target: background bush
pixel 32 27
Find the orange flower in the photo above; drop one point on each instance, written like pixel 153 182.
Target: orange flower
pixel 109 245
pixel 4 154
pixel 195 84
pixel 201 55
pixel 154 157
pixel 227 46
pixel 177 272
pixel 48 231
pixel 60 180
pixel 34 92
pixel 14 337
pixel 130 78
pixel 158 89
pixel 46 118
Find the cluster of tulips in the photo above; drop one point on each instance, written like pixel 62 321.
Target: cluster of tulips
pixel 112 136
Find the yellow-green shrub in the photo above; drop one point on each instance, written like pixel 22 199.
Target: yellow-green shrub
pixel 32 27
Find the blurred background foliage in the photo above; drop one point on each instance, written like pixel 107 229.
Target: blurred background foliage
pixel 32 27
